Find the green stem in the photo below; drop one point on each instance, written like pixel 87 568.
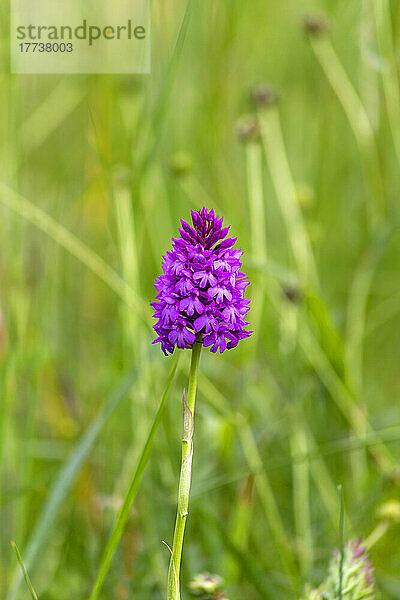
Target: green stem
pixel 390 78
pixel 285 189
pixel 267 498
pixel 254 168
pixel 254 162
pixel 358 120
pixel 173 592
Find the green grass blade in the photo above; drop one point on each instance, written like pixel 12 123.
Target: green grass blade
pixel 48 116
pixel 24 571
pixel 74 246
pixel 341 533
pixel 358 120
pixel 251 569
pixel 65 478
pixel 132 491
pixel 285 189
pixel 165 94
pixel 389 71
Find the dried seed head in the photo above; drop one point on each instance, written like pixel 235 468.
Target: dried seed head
pixel 181 164
pixel 315 25
pixel 264 95
pixel 208 584
pixel 247 129
pixel 292 293
pixel 220 596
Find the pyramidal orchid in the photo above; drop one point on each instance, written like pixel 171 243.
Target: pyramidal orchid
pixel 200 302
pixel 358 582
pixel 201 292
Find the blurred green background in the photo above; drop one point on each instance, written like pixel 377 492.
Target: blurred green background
pixel 96 172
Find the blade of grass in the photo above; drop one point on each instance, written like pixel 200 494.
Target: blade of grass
pixel 131 493
pixel 250 569
pixel 355 325
pixel 266 497
pixel 343 398
pixel 338 447
pixel 163 102
pixel 341 542
pixel 314 456
pixel 389 70
pixel 240 524
pixel 24 571
pixel 75 246
pixel 129 262
pixel 334 384
pixel 256 199
pixel 386 310
pixel 285 189
pixel 48 116
pixel 254 170
pixel 255 464
pixel 358 120
pixel 301 491
pixel 66 477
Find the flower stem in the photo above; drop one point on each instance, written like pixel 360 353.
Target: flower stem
pixel 173 591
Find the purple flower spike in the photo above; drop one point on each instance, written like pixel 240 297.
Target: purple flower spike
pixel 201 292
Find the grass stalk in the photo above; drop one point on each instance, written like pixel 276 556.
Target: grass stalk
pixel 173 588
pixel 341 542
pixel 254 170
pixel 338 390
pixel 240 523
pixel 66 476
pixel 266 497
pixel 254 163
pixel 285 190
pixel 130 496
pixel 129 262
pixel 358 120
pixel 388 71
pixel 24 571
pixel 74 246
pixel 301 492
pixel 355 325
pixel 346 403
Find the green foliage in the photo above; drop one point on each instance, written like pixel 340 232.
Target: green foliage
pixel 95 173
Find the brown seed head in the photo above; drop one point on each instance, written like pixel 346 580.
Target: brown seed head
pixel 315 25
pixel 247 129
pixel 292 293
pixel 206 583
pixel 264 95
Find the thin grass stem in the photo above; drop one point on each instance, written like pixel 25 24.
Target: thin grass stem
pixel 66 476
pixel 358 120
pixel 341 542
pixel 266 496
pixel 130 495
pixel 389 73
pixel 301 492
pixel 24 571
pixel 76 247
pixel 285 189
